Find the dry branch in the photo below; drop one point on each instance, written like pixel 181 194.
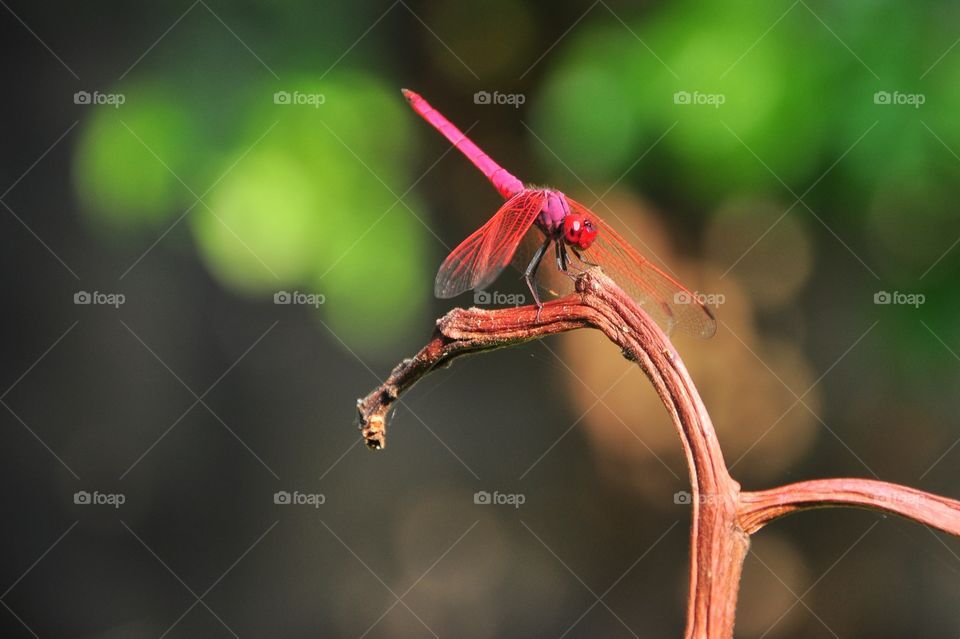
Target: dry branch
pixel 723 515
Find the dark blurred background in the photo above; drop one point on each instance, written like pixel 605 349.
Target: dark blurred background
pixel 179 165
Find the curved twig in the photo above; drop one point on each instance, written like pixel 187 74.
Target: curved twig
pixel 761 507
pixel 723 516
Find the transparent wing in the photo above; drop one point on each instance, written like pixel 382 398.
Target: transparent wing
pixel 668 301
pixel 480 258
pixel 550 281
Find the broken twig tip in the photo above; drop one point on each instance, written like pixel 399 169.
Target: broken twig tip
pixel 374 433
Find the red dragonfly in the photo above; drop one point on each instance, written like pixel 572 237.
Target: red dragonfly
pixel 567 225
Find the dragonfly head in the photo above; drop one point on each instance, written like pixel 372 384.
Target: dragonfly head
pixel 579 231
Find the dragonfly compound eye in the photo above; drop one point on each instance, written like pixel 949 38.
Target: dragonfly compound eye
pixel 588 233
pixel 572 228
pixel 578 231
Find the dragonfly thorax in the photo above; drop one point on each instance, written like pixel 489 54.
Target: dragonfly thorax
pixel 555 210
pixel 557 221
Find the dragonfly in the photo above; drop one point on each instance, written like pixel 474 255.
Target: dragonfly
pixel 571 228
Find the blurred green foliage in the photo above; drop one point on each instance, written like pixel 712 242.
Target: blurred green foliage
pixel 300 195
pixel 120 181
pixel 795 95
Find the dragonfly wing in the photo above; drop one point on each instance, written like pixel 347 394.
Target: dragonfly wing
pixel 668 301
pixel 550 282
pixel 480 258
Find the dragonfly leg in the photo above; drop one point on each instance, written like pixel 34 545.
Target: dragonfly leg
pixel 531 273
pixel 580 257
pixel 563 260
pixel 561 257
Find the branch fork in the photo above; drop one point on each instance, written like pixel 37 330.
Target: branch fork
pixel 724 516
